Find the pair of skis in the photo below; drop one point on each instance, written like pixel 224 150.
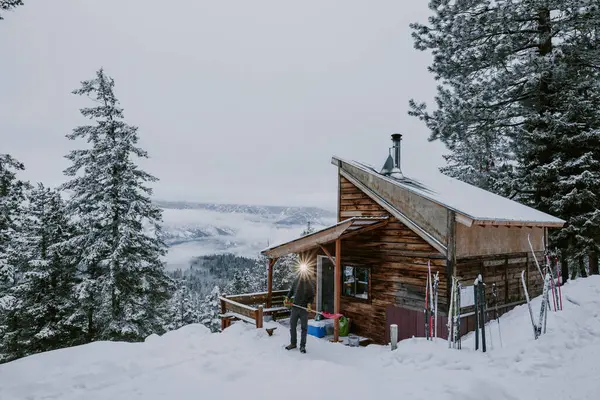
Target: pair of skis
pixel 554 285
pixel 537 328
pixel 556 291
pixel 480 312
pixel 454 316
pixel 431 303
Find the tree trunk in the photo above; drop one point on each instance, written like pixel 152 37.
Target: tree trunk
pixel 593 260
pixel 582 271
pixel 564 269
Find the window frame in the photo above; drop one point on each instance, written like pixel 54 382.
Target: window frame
pixel 342 285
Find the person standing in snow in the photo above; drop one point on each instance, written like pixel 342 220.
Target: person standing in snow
pixel 303 294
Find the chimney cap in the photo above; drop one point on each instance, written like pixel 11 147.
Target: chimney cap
pixel 396 136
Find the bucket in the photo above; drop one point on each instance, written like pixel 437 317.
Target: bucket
pixel 353 341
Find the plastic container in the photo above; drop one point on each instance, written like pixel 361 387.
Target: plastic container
pixel 316 328
pixel 353 341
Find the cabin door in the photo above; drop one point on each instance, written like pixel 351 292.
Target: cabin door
pixel 325 281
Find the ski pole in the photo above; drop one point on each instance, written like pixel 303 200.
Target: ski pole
pixel 430 301
pixel 427 308
pixel 552 287
pixel 534 257
pixel 559 278
pixel 495 296
pixel 450 311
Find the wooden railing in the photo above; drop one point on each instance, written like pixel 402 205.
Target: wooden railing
pixel 252 307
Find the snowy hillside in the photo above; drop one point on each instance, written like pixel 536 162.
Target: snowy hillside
pixel 197 229
pixel 243 362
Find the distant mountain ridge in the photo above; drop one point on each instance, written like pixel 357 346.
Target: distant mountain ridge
pixel 288 215
pixel 194 229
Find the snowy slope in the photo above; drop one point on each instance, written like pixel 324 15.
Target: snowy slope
pixel 243 362
pixel 197 229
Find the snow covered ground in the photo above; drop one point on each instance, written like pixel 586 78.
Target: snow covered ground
pixel 243 362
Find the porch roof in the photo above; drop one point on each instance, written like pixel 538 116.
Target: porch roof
pixel 343 229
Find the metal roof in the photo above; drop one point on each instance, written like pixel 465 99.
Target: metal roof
pixel 343 229
pixel 481 206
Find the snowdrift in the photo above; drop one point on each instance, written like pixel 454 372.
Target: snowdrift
pixel 242 362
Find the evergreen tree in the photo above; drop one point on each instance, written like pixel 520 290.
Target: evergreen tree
pixel 184 307
pixel 12 199
pixel 124 290
pixel 309 229
pixel 44 292
pixel 518 103
pixel 210 309
pixel 8 5
pixel 284 271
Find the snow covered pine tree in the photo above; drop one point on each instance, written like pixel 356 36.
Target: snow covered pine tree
pixel 124 291
pixel 8 5
pixel 184 307
pixel 45 290
pixel 519 105
pixel 12 197
pixel 210 309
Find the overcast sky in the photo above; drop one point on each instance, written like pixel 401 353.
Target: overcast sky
pixel 236 101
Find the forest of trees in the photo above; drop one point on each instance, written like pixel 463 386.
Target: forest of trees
pixel 518 106
pixel 83 262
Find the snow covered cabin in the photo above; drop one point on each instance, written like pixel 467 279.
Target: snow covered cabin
pixel 372 265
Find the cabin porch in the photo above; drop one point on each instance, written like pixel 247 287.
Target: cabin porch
pixel 313 249
pixel 253 308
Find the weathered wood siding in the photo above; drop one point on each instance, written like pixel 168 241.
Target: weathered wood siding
pixel 355 203
pixel 397 259
pixel 428 215
pixel 487 240
pixel 503 270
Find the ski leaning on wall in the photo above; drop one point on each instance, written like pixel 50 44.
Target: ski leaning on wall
pixel 454 316
pixel 549 285
pixel 431 304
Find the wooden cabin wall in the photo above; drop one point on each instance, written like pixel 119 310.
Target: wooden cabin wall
pixel 355 203
pixel 504 270
pixel 487 240
pixel 397 258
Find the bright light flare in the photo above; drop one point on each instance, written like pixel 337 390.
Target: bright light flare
pixel 303 268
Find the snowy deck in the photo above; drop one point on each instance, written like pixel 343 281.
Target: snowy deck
pixel 253 308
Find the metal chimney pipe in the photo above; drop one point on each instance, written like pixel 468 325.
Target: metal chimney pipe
pixel 396 171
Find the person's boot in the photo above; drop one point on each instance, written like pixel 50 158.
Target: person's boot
pixel 290 346
pixel 302 349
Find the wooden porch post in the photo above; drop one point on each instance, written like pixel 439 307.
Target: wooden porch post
pixel 271 263
pixel 337 288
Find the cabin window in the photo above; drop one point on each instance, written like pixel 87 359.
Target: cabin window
pixel 356 282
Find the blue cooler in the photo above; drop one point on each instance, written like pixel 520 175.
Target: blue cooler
pixel 316 328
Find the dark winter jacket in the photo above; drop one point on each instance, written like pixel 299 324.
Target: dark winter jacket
pixel 302 291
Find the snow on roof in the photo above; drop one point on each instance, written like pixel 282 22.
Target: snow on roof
pixel 466 199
